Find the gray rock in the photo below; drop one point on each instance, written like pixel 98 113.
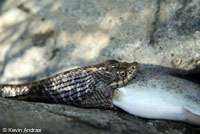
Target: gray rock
pixel 41 38
pixel 57 118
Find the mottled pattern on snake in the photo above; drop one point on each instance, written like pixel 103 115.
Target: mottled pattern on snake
pixel 90 86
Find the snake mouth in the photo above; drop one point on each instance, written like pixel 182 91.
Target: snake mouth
pixel 111 93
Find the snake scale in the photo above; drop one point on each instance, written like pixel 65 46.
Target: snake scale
pixel 90 86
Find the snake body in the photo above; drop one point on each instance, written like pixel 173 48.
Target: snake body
pixel 90 86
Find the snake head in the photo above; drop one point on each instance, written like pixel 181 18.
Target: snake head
pixel 108 76
pixel 123 72
pixel 117 74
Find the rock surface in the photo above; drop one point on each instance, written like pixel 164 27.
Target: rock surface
pixel 62 119
pixel 41 38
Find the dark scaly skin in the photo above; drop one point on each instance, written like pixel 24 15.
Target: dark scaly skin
pixel 90 86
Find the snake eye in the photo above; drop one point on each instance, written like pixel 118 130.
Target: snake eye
pixel 122 73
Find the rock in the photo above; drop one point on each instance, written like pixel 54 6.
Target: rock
pixel 41 38
pixel 57 118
